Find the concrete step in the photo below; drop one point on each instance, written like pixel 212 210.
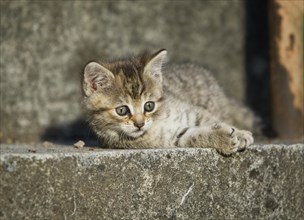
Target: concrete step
pixel 62 182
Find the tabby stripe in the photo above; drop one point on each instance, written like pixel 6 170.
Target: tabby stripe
pixel 168 112
pixel 182 80
pixel 143 88
pixel 162 135
pixel 100 110
pixel 198 119
pixel 180 135
pixel 161 99
pixel 187 117
pixel 177 118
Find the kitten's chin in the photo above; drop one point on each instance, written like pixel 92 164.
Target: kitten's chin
pixel 136 134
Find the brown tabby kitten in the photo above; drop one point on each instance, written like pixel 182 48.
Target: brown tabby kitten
pixel 131 103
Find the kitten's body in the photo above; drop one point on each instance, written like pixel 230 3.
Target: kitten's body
pixel 190 109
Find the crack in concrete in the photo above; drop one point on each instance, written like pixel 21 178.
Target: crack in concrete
pixel 75 204
pixel 186 194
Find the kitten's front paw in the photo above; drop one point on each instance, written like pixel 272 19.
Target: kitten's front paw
pixel 229 140
pixel 245 139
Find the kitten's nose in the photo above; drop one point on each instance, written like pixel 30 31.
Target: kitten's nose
pixel 139 124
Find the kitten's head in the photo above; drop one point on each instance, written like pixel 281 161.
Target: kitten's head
pixel 124 97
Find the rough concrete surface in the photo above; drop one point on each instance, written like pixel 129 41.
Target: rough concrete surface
pixel 45 44
pixel 62 182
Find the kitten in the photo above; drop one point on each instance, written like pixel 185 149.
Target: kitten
pixel 131 103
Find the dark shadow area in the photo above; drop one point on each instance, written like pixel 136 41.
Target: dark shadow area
pixel 70 133
pixel 257 62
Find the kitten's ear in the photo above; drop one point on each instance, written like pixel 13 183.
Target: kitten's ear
pixel 96 77
pixel 154 66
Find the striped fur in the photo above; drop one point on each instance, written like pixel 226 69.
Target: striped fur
pixel 190 108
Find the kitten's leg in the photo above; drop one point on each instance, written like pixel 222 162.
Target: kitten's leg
pixel 220 136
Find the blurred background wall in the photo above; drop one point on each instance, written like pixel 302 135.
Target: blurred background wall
pixel 44 46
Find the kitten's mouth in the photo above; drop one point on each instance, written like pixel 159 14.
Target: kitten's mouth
pixel 137 133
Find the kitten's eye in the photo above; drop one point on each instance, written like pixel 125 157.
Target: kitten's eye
pixel 149 106
pixel 122 110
